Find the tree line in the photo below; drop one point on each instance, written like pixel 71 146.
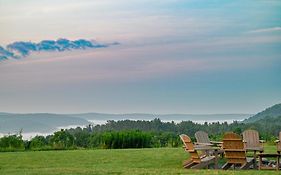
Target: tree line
pixel 81 138
pixel 135 134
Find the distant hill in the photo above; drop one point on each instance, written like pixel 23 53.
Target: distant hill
pixel 271 112
pixel 164 117
pixel 39 122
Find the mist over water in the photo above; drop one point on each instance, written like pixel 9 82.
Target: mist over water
pixel 30 135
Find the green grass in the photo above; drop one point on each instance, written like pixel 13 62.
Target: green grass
pixel 126 161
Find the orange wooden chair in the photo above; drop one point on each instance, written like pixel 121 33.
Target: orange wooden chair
pixel 196 160
pixel 235 152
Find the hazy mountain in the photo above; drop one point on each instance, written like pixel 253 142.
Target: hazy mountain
pixel 271 112
pixel 141 116
pixel 42 122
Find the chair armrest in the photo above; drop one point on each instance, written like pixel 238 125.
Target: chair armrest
pixel 203 144
pixel 204 148
pixel 216 142
pixel 234 150
pixel 262 141
pixel 277 141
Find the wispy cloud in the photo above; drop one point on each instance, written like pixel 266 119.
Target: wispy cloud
pixel 5 54
pixel 272 29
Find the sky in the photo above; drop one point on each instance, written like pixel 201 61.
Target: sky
pixel 175 56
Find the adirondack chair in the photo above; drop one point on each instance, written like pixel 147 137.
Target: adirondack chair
pixel 278 144
pixel 202 138
pixel 252 141
pixel 196 160
pixel 235 152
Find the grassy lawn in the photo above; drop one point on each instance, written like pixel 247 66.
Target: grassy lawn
pixel 126 161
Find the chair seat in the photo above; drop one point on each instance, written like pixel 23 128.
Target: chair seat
pixel 254 148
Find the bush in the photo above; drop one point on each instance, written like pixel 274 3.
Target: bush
pixel 126 139
pixel 38 143
pixel 62 140
pixel 12 143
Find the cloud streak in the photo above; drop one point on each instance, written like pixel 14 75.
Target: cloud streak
pixel 265 30
pixel 5 54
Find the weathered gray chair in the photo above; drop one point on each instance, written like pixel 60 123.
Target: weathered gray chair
pixel 235 152
pixel 252 141
pixel 202 139
pixel 278 144
pixel 196 160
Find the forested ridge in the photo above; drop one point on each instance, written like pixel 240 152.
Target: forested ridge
pixel 135 134
pixel 271 112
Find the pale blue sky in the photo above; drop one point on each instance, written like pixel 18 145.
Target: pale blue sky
pixel 176 56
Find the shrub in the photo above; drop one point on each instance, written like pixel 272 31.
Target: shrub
pixel 12 143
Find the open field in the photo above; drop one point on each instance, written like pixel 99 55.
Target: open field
pixel 126 161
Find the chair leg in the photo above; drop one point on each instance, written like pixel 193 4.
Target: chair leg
pixel 226 166
pixel 278 163
pixel 203 164
pixel 199 166
pixel 247 165
pixel 255 160
pixel 187 162
pixel 190 165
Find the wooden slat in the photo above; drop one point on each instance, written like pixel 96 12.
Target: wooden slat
pixel 269 155
pixel 235 157
pixel 234 150
pixel 203 144
pixel 254 149
pixel 231 139
pixel 236 161
pixel 215 142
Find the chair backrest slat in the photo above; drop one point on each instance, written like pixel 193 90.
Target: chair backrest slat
pixel 202 137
